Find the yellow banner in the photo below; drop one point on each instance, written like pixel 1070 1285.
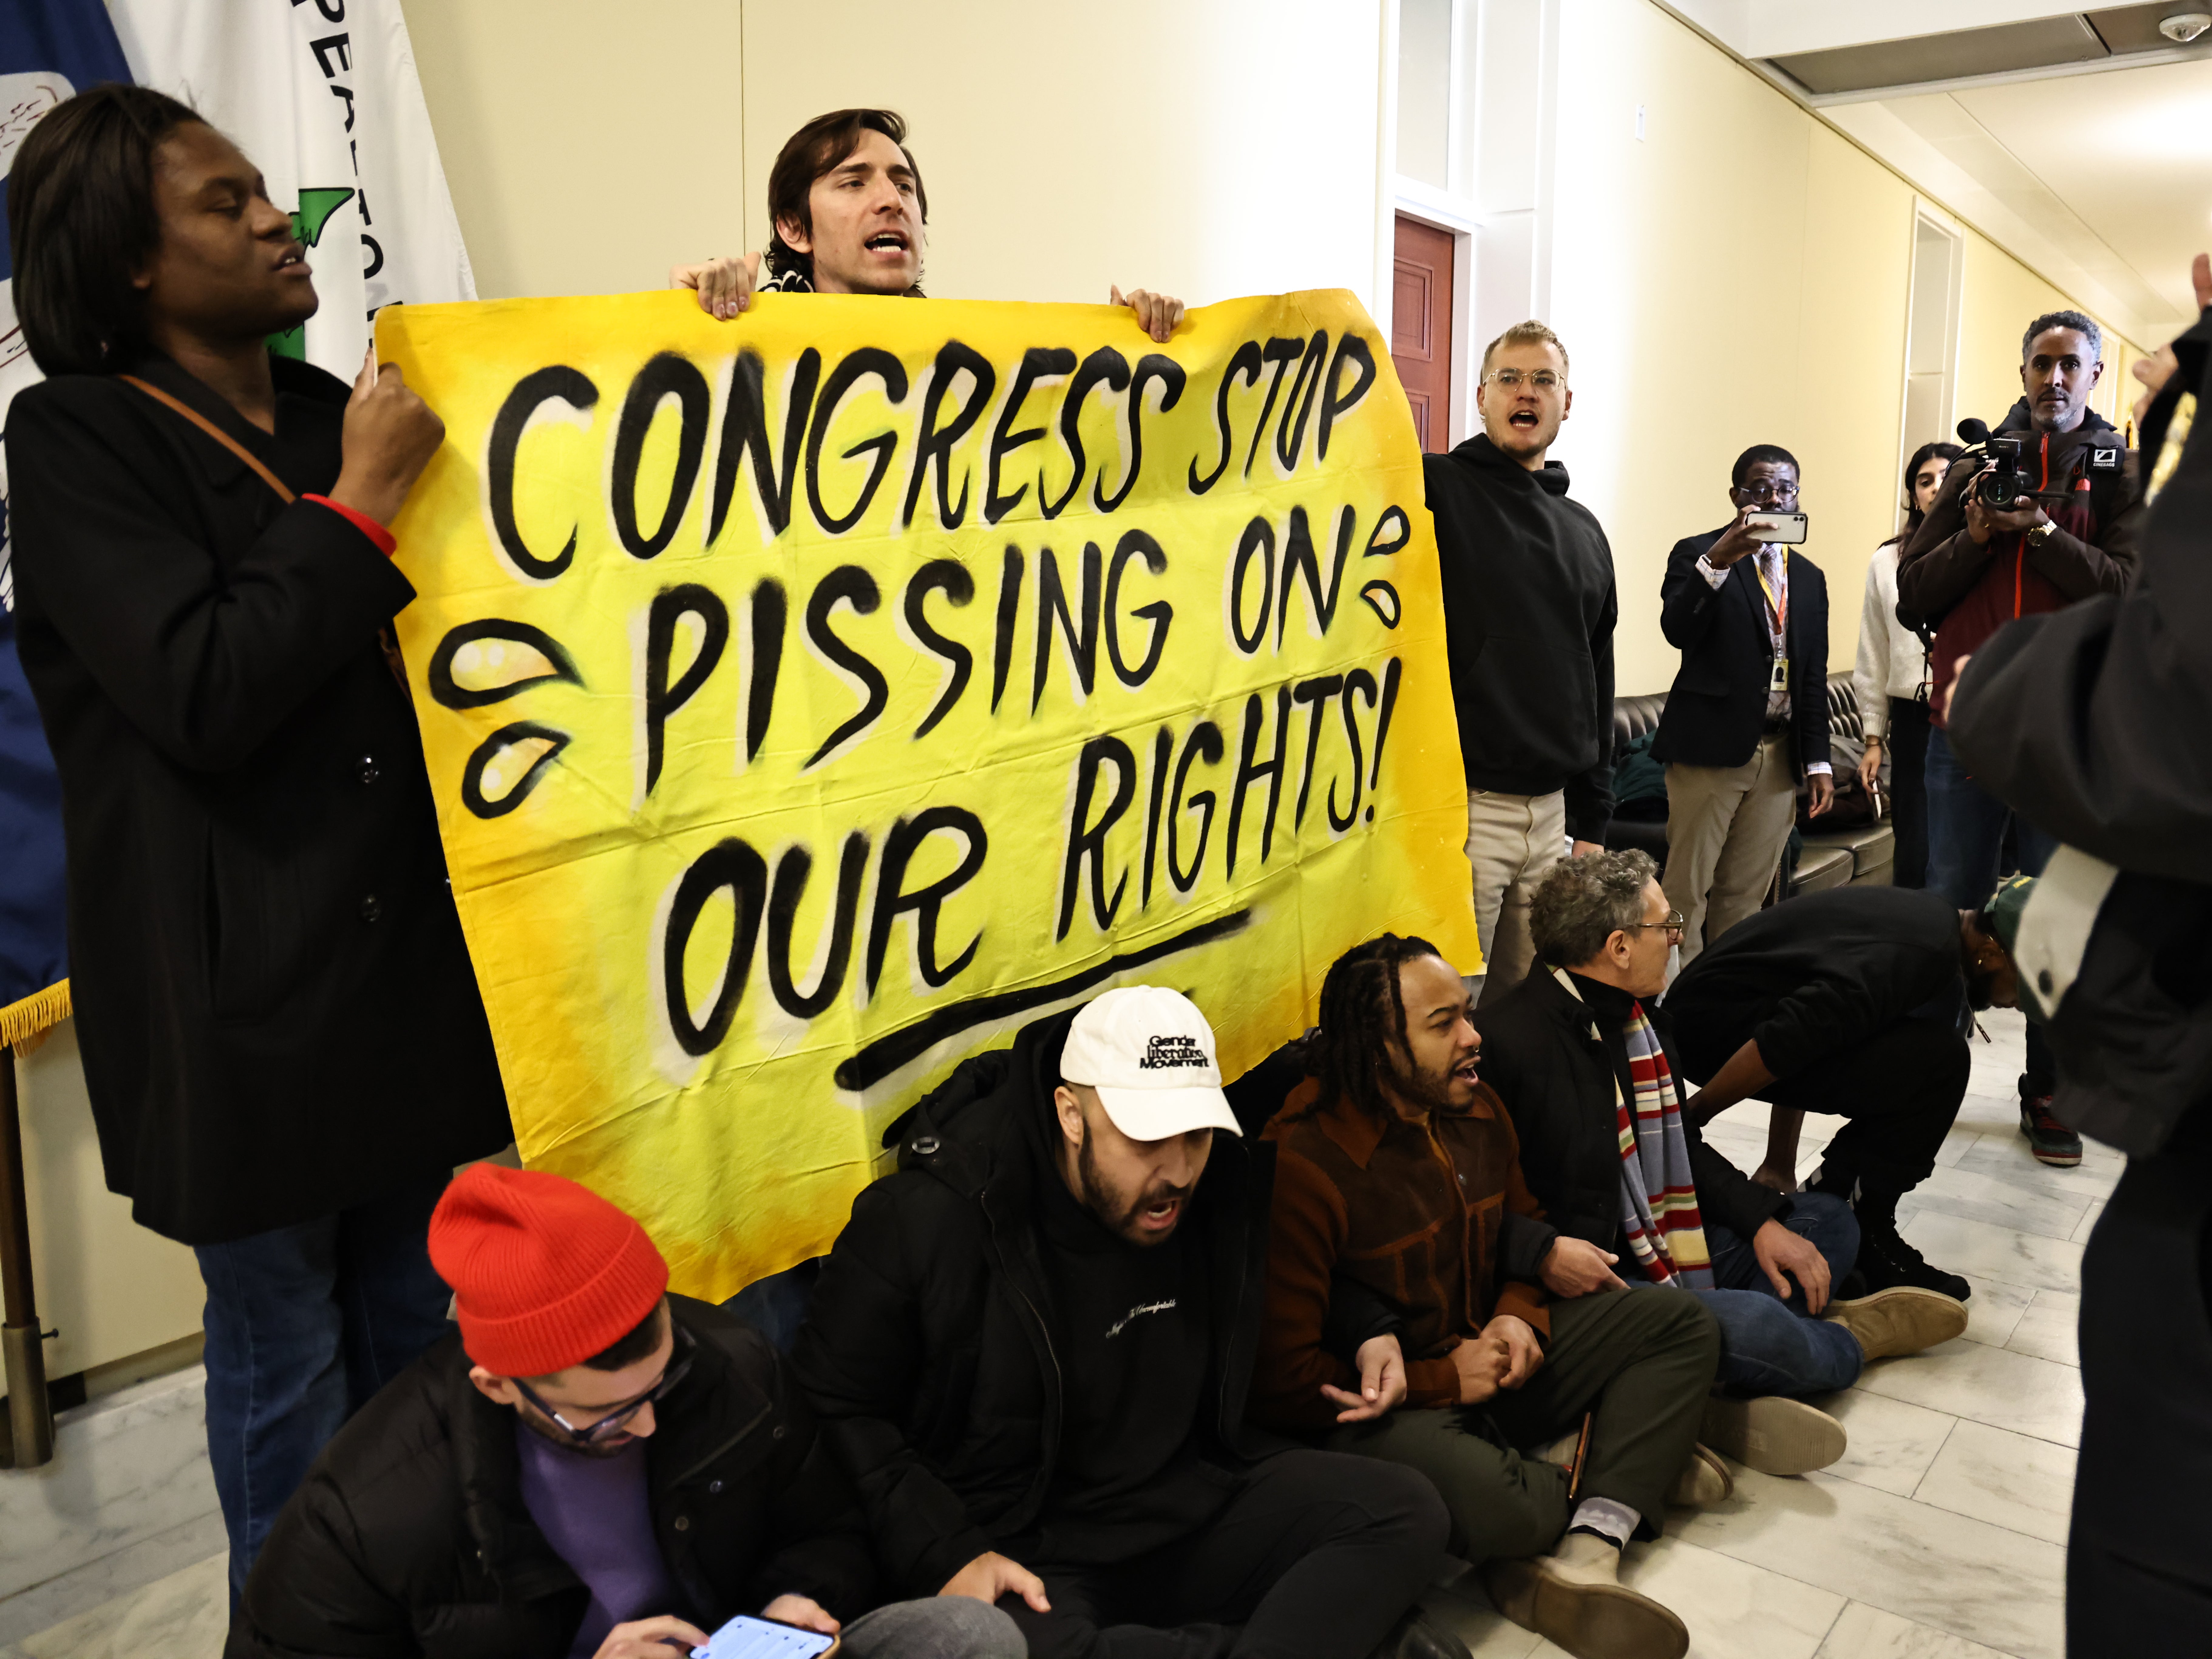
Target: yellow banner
pixel 814 699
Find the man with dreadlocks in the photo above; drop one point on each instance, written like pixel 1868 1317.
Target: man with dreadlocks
pixel 1397 1184
pixel 1583 1062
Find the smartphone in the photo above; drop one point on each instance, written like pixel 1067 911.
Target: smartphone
pixel 1779 528
pixel 747 1638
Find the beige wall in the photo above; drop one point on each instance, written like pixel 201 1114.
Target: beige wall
pixel 1208 151
pixel 588 147
pixel 1739 275
pixel 110 1288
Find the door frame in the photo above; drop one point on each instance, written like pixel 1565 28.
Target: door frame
pixel 1432 208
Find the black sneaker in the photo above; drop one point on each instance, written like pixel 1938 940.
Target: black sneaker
pixel 1886 1259
pixel 2052 1141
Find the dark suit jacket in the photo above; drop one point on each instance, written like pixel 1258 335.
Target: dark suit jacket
pixel 277 1015
pixel 1715 712
pixel 1554 1061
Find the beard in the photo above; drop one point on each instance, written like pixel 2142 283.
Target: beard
pixel 1980 989
pixel 1116 1211
pixel 1419 1087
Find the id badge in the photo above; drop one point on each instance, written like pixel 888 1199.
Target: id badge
pixel 1778 680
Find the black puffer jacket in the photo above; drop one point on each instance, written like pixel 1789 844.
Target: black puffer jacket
pixel 1557 1080
pixel 410 1537
pixel 929 1353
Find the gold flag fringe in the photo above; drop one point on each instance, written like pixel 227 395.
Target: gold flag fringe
pixel 24 1025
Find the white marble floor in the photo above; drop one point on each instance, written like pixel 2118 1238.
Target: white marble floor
pixel 1940 1535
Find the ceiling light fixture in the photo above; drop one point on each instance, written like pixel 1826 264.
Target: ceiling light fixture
pixel 2185 26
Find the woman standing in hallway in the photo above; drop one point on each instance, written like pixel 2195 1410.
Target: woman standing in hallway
pixel 1891 675
pixel 282 1039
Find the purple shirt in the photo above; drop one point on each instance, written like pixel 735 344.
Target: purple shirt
pixel 594 1512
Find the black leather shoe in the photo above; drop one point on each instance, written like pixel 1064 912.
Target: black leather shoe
pixel 1886 1259
pixel 1418 1638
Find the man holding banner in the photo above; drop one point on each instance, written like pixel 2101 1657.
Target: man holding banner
pixel 283 1040
pixel 850 215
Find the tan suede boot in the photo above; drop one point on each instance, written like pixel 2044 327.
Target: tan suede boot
pixel 1772 1435
pixel 1576 1600
pixel 1902 1319
pixel 1704 1480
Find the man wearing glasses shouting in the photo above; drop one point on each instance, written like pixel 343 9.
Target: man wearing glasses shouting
pixel 589 1468
pixel 1586 1063
pixel 1748 718
pixel 1528 613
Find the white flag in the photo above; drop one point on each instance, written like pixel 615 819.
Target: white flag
pixel 323 96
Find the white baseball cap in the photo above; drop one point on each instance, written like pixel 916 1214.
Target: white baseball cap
pixel 1149 1053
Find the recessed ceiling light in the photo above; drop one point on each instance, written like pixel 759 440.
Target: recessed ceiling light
pixel 2185 26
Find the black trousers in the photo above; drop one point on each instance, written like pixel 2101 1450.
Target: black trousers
pixel 1316 1557
pixel 2138 1580
pixel 1908 789
pixel 1900 1090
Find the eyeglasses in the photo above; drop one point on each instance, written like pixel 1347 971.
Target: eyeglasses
pixel 1769 491
pixel 1510 379
pixel 1673 922
pixel 606 1428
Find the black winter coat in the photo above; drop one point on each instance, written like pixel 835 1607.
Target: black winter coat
pixel 1717 707
pixel 928 1352
pixel 1555 1062
pixel 276 1011
pixel 410 1536
pixel 1819 975
pixel 1529 608
pixel 2093 723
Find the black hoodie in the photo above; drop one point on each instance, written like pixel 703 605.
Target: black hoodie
pixel 934 1349
pixel 1529 612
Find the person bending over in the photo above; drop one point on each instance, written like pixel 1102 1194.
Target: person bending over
pixel 589 1468
pixel 1581 1063
pixel 850 215
pixel 1031 1347
pixel 1529 608
pixel 1397 1174
pixel 1858 1001
pixel 283 1043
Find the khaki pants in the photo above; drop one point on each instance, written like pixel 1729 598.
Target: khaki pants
pixel 1726 828
pixel 1511 841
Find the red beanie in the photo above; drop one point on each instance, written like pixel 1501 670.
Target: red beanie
pixel 545 1274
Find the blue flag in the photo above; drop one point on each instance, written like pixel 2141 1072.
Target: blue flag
pixel 48 51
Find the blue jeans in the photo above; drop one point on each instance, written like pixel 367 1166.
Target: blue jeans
pixel 1772 1346
pixel 304 1323
pixel 1966 840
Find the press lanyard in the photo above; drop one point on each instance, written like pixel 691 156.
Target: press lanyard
pixel 1778 611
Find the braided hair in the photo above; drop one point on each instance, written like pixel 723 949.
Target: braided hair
pixel 1362 1008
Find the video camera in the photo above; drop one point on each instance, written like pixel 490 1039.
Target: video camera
pixel 2006 480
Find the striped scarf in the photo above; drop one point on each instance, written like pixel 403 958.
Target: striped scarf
pixel 1659 1214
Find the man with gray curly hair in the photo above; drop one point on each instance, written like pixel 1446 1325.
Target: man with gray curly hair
pixel 1597 1097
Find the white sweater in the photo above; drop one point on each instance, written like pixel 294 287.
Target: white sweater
pixel 1892 663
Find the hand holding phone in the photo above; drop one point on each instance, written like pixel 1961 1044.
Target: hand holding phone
pixel 1777 529
pixel 748 1638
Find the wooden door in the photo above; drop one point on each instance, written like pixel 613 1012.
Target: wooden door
pixel 1421 327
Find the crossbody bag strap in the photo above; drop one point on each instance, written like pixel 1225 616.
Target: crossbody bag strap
pixel 216 433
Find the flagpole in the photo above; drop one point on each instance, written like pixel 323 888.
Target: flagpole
pixel 30 1411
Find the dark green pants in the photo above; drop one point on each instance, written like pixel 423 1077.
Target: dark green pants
pixel 1642 1364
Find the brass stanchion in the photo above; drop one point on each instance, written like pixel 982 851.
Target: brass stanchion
pixel 30 1413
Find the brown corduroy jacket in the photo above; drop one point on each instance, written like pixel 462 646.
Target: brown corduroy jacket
pixel 1434 1220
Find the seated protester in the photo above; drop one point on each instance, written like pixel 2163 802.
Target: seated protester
pixel 1582 1064
pixel 590 1469
pixel 1031 1347
pixel 1396 1180
pixel 850 215
pixel 1859 1001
